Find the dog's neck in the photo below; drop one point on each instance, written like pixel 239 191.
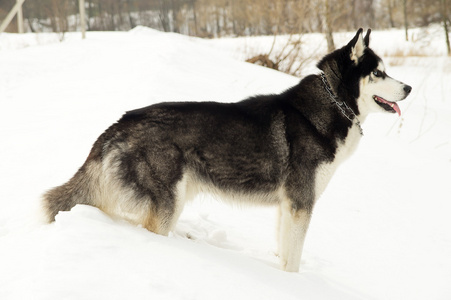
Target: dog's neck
pixel 341 105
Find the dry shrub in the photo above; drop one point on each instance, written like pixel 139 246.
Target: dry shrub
pixel 286 57
pixel 263 60
pixel 397 56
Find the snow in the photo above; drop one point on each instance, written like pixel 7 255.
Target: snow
pixel 381 230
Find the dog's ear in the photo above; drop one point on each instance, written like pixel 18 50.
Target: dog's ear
pixel 357 46
pixel 367 38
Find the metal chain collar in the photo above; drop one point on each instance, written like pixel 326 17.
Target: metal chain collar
pixel 342 106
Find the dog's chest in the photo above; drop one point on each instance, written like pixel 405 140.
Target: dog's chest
pixel 325 170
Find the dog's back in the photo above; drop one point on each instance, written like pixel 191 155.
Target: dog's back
pixel 146 165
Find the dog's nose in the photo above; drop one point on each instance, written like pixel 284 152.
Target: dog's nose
pixel 407 89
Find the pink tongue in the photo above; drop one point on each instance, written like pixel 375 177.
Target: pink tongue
pixel 396 107
pixel 392 105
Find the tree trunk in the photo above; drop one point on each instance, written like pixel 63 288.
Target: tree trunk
pixel 90 14
pixel 390 14
pixel 445 25
pixel 175 12
pixel 130 18
pixel 193 7
pixel 329 36
pixel 218 22
pixel 404 4
pixel 232 8
pixel 112 21
pixel 371 13
pixel 353 15
pixel 164 15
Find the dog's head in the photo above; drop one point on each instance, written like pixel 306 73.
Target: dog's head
pixel 358 76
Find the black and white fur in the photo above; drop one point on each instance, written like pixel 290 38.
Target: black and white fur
pixel 268 150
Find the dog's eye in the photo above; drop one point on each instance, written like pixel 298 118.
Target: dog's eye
pixel 377 73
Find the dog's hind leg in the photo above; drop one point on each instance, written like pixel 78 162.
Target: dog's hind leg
pixel 160 214
pixel 162 219
pixel 292 231
pixel 158 217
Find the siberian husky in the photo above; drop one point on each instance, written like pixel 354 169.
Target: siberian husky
pixel 269 150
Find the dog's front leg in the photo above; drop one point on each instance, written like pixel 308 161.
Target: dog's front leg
pixel 292 231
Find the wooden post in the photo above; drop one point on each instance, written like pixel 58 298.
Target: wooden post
pixel 11 15
pixel 20 18
pixel 82 18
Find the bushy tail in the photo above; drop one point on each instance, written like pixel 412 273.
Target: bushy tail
pixel 78 190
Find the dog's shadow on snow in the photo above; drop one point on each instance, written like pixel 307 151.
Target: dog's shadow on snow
pixel 203 230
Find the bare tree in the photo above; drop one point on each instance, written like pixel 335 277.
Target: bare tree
pixel 444 13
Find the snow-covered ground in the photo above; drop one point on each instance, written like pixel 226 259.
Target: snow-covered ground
pixel 382 229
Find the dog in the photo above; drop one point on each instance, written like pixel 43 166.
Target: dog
pixel 268 150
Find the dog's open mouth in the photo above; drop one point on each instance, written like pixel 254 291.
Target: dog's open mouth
pixel 387 105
